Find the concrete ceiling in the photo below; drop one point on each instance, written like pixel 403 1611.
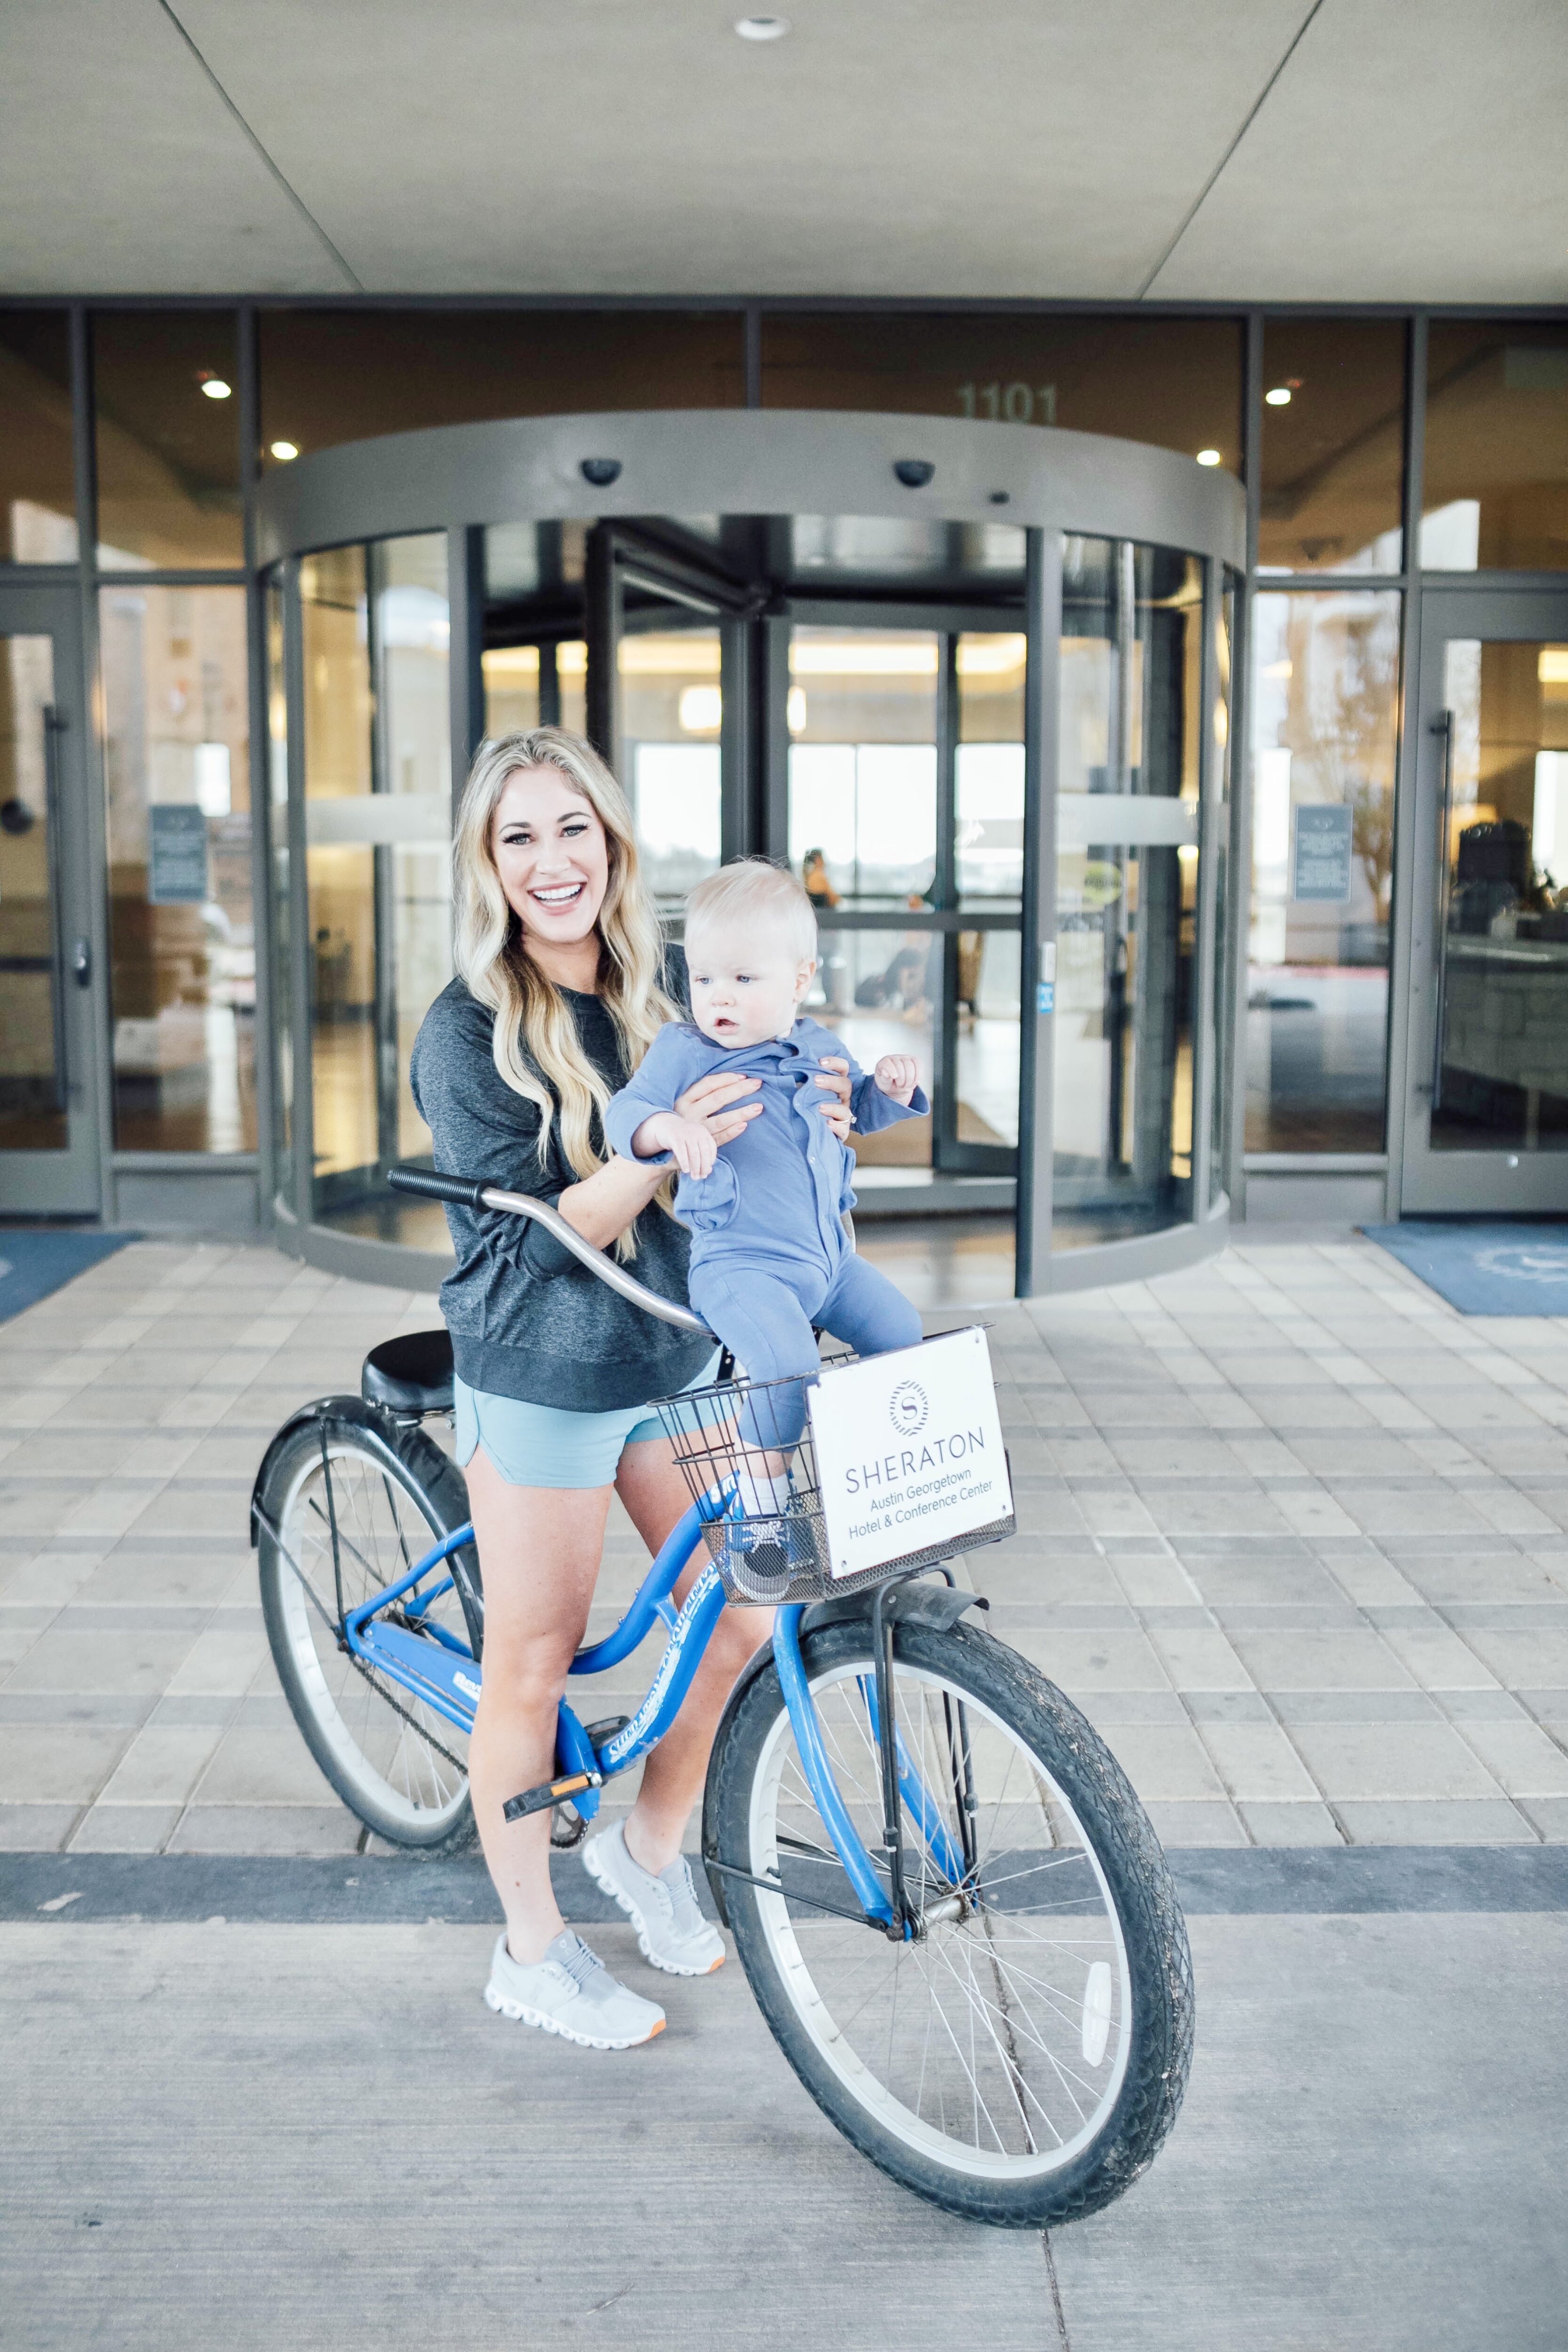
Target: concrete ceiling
pixel 1213 149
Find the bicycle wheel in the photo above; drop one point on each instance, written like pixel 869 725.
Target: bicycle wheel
pixel 1020 2061
pixel 395 1763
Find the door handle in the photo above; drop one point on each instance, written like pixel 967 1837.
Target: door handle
pixel 81 963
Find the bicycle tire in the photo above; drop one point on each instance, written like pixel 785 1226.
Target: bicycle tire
pixel 1001 1698
pixel 399 1767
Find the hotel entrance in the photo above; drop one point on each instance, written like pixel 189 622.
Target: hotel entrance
pixel 995 749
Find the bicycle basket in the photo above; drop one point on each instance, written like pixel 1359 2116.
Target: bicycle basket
pixel 766 1556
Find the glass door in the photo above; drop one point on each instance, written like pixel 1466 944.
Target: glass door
pixel 48 1125
pixel 906 823
pixel 1487 1121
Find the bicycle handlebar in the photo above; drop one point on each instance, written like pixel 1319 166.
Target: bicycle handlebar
pixel 475 1192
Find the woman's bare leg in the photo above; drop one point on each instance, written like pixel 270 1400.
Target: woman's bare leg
pixel 650 1484
pixel 540 1549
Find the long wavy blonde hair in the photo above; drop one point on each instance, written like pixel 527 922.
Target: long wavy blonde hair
pixel 534 1039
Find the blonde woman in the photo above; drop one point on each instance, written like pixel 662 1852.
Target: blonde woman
pixel 562 988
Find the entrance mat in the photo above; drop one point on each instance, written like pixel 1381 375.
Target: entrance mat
pixel 373 1890
pixel 37 1259
pixel 1484 1268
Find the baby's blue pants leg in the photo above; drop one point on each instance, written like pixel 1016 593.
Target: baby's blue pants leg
pixel 764 1319
pixel 865 1311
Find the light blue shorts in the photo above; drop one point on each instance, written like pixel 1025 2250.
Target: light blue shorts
pixel 541 1445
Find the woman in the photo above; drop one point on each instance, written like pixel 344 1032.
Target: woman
pixel 560 992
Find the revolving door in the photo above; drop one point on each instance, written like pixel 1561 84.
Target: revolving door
pixel 993 742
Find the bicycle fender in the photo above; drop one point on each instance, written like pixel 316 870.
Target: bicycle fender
pixel 938 1605
pixel 335 1407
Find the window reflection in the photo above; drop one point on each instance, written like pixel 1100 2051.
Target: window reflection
pixel 1334 445
pixel 1127 872
pixel 671 711
pixel 1174 382
pixel 329 376
pixel 166 387
pixel 1495 493
pixel 1324 702
pixel 378 791
pixel 182 940
pixel 879 991
pixel 862 760
pixel 38 471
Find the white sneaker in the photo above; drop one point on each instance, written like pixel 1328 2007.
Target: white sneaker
pixel 571 1992
pixel 671 1931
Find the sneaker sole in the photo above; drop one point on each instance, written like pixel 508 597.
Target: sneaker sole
pixel 672 1968
pixel 519 2013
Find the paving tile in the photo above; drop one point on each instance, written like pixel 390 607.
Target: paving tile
pixel 1197 1824
pixel 1549 1815
pixel 1479 1822
pixel 1257 1763
pixel 1313 1657
pixel 161 1577
pixel 265 1829
pixel 1107 1660
pixel 1226 1577
pixel 66 1659
pixel 112 1828
pixel 58 1764
pixel 1166 1763
pixel 1519 1755
pixel 36 1828
pixel 1200 1659
pixel 221 1662
pixel 1304 1823
pixel 1373 1761
pixel 165 1762
pixel 1402 1704
pixel 259 1765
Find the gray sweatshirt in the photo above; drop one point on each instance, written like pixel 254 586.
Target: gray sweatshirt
pixel 526 1319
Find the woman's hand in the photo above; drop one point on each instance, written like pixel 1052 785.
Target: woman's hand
pixel 837 1113
pixel 715 1103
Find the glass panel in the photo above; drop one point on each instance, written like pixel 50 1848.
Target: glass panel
pixel 1334 445
pixel 671 709
pixel 37 465
pixel 1325 698
pixel 1175 382
pixel 536 686
pixel 1496 488
pixel 988 840
pixel 1127 872
pixel 282 962
pixel 181 935
pixel 378 795
pixel 862 763
pixel 878 991
pixel 167 393
pixel 339 862
pixel 1225 756
pixel 343 376
pixel 32 1074
pixel 1501 1058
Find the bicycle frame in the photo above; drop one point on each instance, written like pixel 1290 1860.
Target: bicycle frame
pixel 436 1666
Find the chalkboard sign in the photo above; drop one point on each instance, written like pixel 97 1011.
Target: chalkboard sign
pixel 176 855
pixel 1321 870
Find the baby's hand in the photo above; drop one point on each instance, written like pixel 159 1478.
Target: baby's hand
pixel 897 1075
pixel 686 1140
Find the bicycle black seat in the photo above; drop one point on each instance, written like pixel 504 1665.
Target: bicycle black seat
pixel 412 1373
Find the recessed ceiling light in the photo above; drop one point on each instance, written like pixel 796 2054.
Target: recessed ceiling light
pixel 761 28
pixel 215 388
pixel 1209 457
pixel 284 450
pixel 1279 397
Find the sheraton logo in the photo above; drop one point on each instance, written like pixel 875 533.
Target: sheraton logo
pixel 908 1407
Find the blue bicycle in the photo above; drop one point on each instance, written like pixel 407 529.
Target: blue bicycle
pixel 948 1901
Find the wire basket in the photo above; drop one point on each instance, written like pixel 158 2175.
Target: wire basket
pixel 767 1555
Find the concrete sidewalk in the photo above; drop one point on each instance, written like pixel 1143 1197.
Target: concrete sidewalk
pixel 1291 1530
pixel 277 2136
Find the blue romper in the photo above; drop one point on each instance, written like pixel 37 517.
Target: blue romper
pixel 769 1254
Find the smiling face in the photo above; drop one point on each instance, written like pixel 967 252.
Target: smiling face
pixel 746 986
pixel 553 860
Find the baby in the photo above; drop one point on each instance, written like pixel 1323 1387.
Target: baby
pixel 770 1256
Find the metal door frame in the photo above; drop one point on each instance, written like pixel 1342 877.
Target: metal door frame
pixel 66 1183
pixel 1455 1184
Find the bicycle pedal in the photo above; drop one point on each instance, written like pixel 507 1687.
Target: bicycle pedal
pixel 550 1793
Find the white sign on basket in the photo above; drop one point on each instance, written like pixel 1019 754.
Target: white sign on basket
pixel 908 1450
